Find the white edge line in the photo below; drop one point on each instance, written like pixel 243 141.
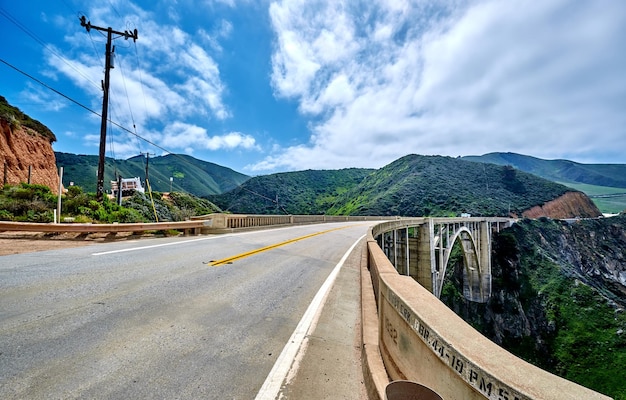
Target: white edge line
pixel 274 381
pixel 155 245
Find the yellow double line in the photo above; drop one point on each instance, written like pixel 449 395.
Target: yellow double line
pixel 230 260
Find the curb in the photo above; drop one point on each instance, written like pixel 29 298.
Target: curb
pixel 374 372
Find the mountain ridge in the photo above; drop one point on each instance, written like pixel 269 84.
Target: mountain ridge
pixel 413 185
pixel 188 174
pixel 559 170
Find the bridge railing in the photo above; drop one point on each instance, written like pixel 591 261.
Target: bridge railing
pixel 211 223
pixel 222 222
pixel 89 228
pixel 422 340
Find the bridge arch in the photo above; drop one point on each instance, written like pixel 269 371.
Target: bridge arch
pixel 476 275
pixel 421 247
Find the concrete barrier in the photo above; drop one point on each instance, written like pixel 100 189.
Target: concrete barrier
pixel 422 340
pixel 229 222
pixel 92 228
pixel 210 223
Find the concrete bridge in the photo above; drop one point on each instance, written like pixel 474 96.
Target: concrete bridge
pixel 421 248
pixel 409 335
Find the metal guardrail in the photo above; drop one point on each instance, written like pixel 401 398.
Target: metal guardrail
pixel 90 228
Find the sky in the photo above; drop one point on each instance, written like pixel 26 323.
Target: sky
pixel 271 86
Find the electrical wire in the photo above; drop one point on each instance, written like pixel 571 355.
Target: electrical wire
pixel 83 106
pixel 183 159
pixel 95 50
pixel 130 109
pixel 141 84
pixel 22 27
pixel 17 23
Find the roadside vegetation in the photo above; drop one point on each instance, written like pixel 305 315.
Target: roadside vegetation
pixel 36 203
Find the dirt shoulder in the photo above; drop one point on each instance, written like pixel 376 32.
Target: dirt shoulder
pixel 28 242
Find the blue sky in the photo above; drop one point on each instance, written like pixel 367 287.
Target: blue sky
pixel 270 86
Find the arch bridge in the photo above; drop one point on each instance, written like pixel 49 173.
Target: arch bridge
pixel 422 247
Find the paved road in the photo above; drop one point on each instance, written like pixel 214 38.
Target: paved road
pixel 154 318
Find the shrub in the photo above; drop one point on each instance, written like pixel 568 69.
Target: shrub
pixel 28 203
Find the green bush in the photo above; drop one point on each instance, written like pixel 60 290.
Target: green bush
pixel 27 203
pixel 127 215
pixel 35 203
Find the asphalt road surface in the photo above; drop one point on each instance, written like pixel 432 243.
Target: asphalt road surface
pixel 174 318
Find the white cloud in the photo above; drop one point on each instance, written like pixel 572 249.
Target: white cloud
pixel 310 35
pixel 221 31
pixel 179 135
pixel 452 78
pixel 164 79
pixel 44 99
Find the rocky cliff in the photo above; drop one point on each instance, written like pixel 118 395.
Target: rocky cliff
pixel 569 205
pixel 558 298
pixel 23 149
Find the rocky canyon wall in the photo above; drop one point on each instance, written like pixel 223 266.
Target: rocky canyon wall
pixel 21 149
pixel 569 205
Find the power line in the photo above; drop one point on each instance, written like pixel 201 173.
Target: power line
pixel 48 87
pixel 183 159
pixel 21 26
pixel 130 109
pixel 83 106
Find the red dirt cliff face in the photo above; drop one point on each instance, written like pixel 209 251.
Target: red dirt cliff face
pixel 570 205
pixel 23 148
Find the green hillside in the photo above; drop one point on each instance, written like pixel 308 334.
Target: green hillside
pixel 411 186
pixel 611 175
pixel 608 199
pixel 442 186
pixel 301 192
pixel 189 174
pixel 605 184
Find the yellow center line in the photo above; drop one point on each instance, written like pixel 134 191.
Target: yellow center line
pixel 229 260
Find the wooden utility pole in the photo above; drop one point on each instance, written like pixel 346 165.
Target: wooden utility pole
pixel 147 162
pixel 105 100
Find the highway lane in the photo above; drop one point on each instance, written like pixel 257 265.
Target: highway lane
pixel 154 318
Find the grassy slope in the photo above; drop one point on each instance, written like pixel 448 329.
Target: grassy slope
pixel 300 192
pixel 442 186
pixel 15 116
pixel 609 200
pixel 592 179
pixel 611 175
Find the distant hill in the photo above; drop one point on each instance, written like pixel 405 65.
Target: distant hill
pixel 565 171
pixel 302 192
pixel 410 186
pixel 189 174
pixel 443 186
